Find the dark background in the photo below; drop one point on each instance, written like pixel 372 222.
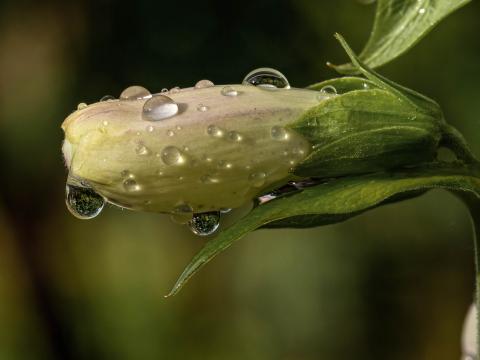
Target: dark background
pixel 394 283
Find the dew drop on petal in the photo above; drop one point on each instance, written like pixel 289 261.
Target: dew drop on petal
pixel 81 106
pixel 234 136
pixel 172 156
pixel 84 203
pixel 279 133
pixel 257 179
pixel 266 78
pixel 229 91
pixel 204 84
pixel 215 131
pixel 159 107
pixel 134 93
pixel 205 224
pixel 164 91
pixel 131 185
pixel 328 90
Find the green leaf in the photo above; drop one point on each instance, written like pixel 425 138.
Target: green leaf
pixel 338 200
pixel 399 25
pixel 345 84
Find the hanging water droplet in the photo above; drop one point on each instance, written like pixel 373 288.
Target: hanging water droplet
pixel 131 185
pixel 182 213
pixel 172 156
pixel 202 107
pixel 257 179
pixel 234 136
pixel 81 106
pixel 328 90
pixel 229 91
pixel 205 224
pixel 267 78
pixel 142 150
pixel 279 133
pixel 204 84
pixel 159 107
pixel 215 131
pixel 82 202
pixel 107 98
pixel 134 93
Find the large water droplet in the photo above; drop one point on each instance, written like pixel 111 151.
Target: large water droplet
pixel 257 179
pixel 134 93
pixel 83 202
pixel 267 78
pixel 205 224
pixel 159 107
pixel 328 90
pixel 229 91
pixel 279 133
pixel 172 156
pixel 215 131
pixel 204 84
pixel 131 185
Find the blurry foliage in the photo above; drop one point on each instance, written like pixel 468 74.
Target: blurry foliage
pixel 390 284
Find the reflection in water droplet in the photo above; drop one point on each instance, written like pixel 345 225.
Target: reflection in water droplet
pixel 215 131
pixel 279 133
pixel 234 136
pixel 257 179
pixel 81 106
pixel 205 224
pixel 159 107
pixel 267 78
pixel 182 214
pixel 172 156
pixel 107 98
pixel 328 90
pixel 204 84
pixel 202 107
pixel 84 203
pixel 134 93
pixel 229 91
pixel 131 185
pixel 142 150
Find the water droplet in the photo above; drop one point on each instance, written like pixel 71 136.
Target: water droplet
pixel 170 133
pixel 127 174
pixel 205 224
pixel 366 86
pixel 131 185
pixel 107 98
pixel 182 213
pixel 209 179
pixel 279 133
pixel 422 11
pixel 257 179
pixel 266 78
pixel 328 90
pixel 134 93
pixel 159 107
pixel 82 202
pixel 229 91
pixel 142 150
pixel 186 148
pixel 204 84
pixel 215 131
pixel 234 136
pixel 164 91
pixel 222 164
pixel 172 156
pixel 174 90
pixel 150 128
pixel 202 107
pixel 81 106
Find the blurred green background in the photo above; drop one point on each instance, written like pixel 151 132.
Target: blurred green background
pixel 394 283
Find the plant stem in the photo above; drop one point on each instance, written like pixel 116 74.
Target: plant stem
pixel 454 140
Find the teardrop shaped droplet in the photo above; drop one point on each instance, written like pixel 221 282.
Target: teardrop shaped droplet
pixel 172 156
pixel 134 92
pixel 229 91
pixel 267 78
pixel 205 224
pixel 107 98
pixel 159 107
pixel 204 84
pixel 84 203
